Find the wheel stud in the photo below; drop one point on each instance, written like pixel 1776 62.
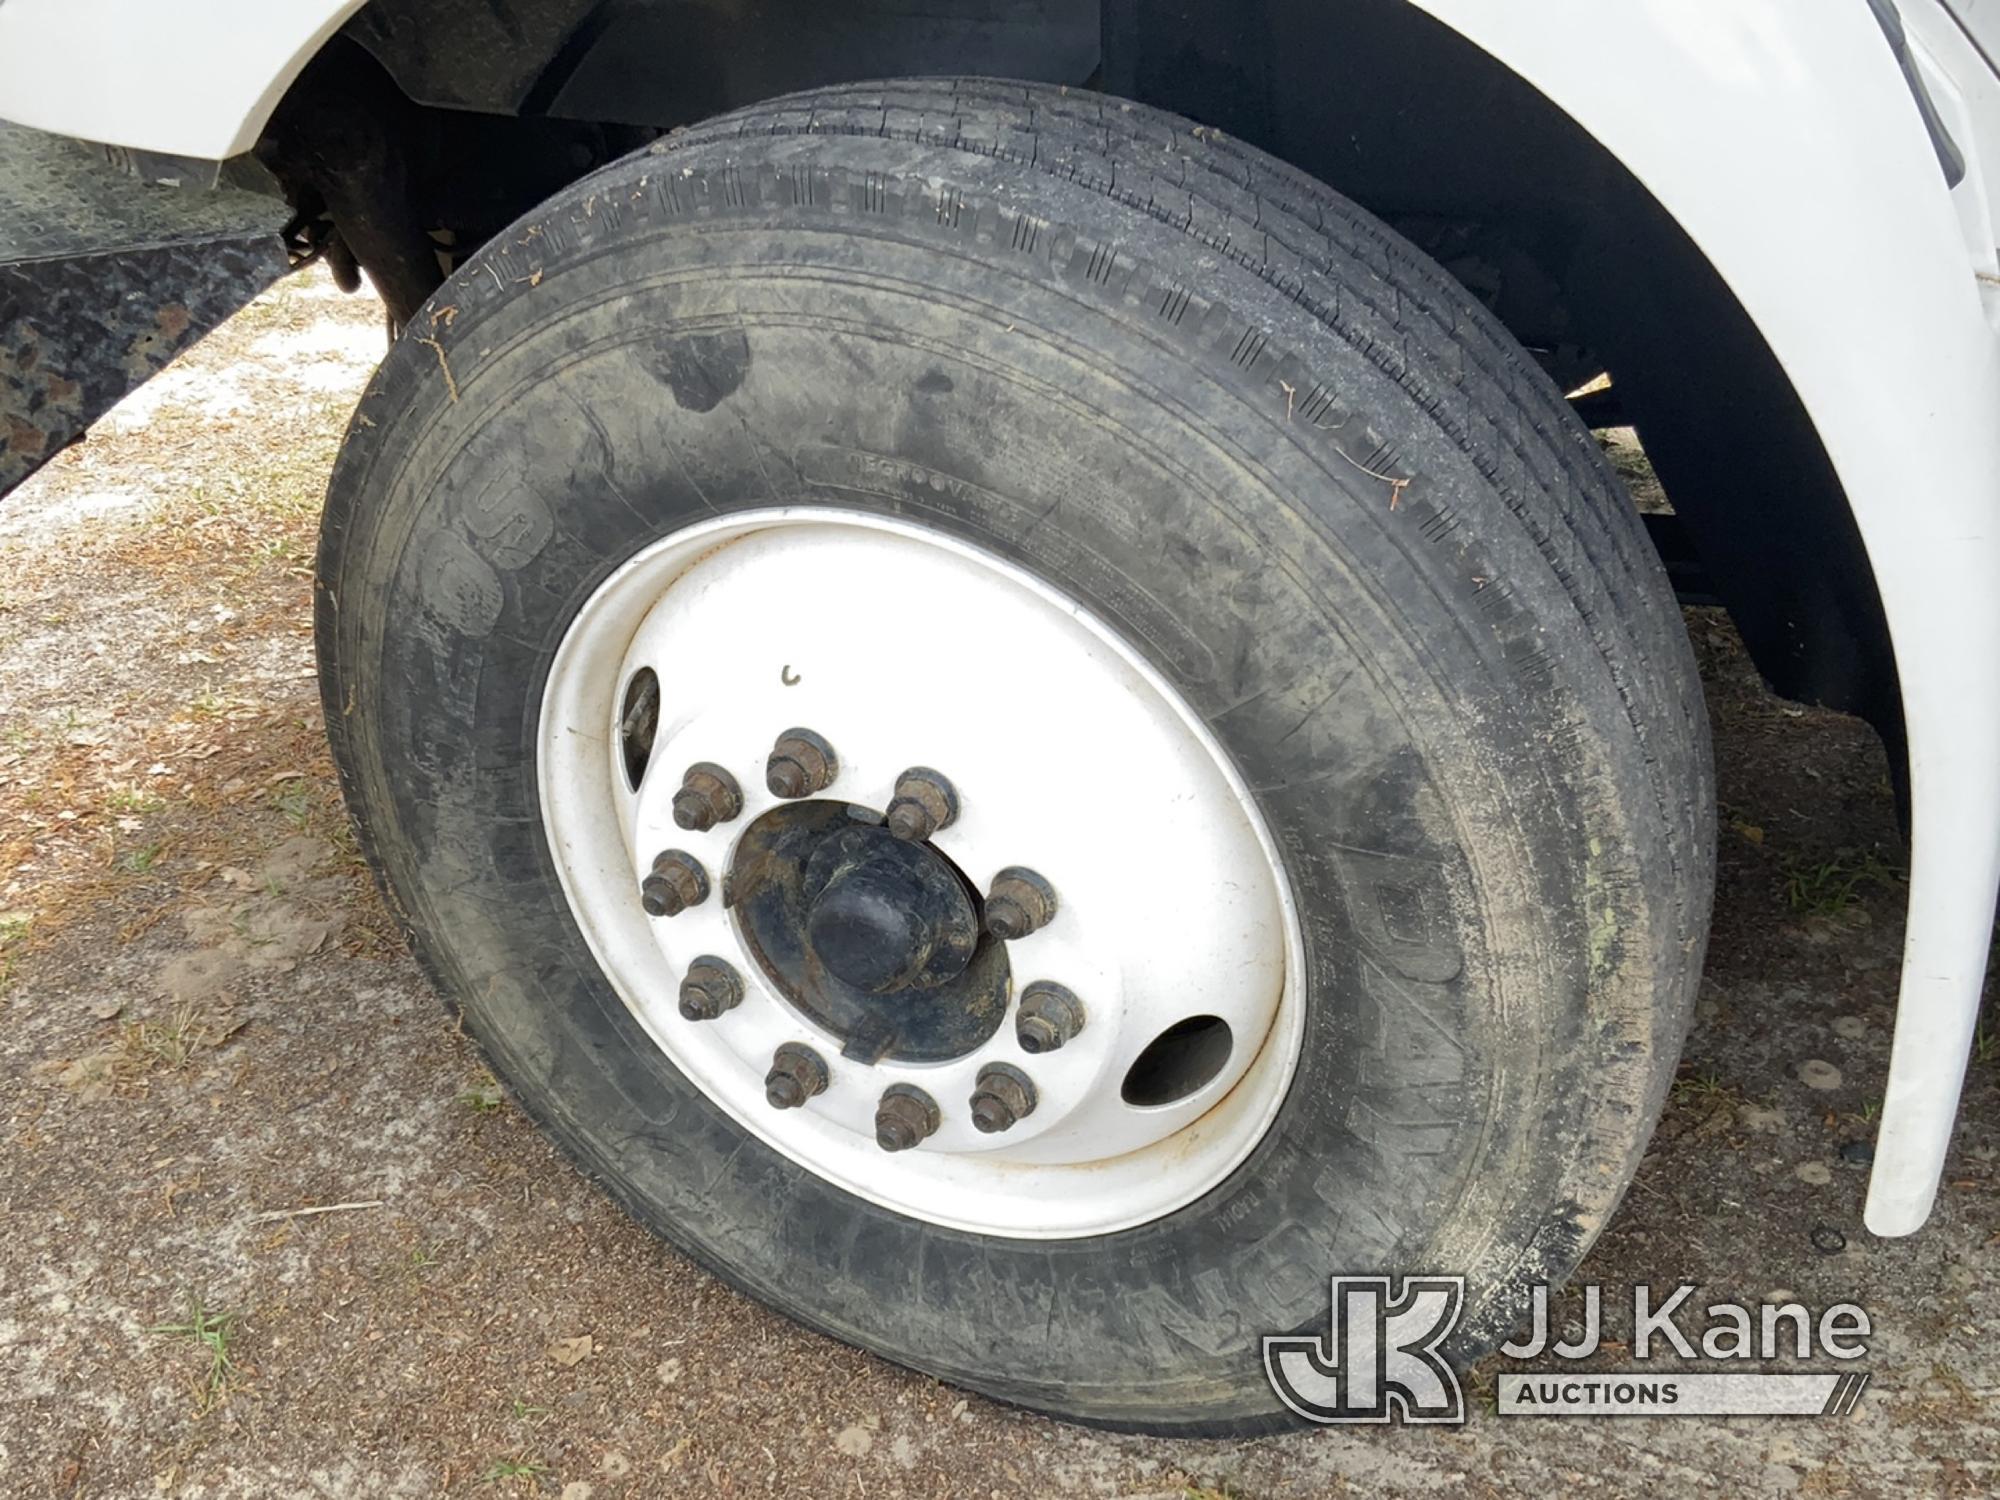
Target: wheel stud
pixel 678 881
pixel 796 1075
pixel 708 795
pixel 1049 1016
pixel 1020 902
pixel 924 803
pixel 710 988
pixel 1002 1097
pixel 905 1117
pixel 801 763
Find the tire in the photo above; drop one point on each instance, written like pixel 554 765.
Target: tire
pixel 1286 460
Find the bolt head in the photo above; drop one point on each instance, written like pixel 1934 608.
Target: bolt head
pixel 910 823
pixel 800 764
pixel 796 1075
pixel 990 1115
pixel 895 1134
pixel 660 898
pixel 678 881
pixel 1005 919
pixel 905 1117
pixel 1049 1016
pixel 783 1090
pixel 693 811
pixel 709 988
pixel 1002 1098
pixel 708 795
pixel 925 801
pixel 1021 902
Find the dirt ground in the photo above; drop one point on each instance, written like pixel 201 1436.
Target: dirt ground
pixel 208 1024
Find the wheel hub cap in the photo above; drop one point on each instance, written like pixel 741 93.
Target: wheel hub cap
pixel 886 915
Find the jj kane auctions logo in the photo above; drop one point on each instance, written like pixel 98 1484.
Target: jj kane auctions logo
pixel 1380 1360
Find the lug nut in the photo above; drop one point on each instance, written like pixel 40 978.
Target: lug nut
pixel 924 803
pixel 1020 902
pixel 801 763
pixel 708 795
pixel 796 1075
pixel 905 1117
pixel 678 881
pixel 1002 1097
pixel 1049 1016
pixel 710 988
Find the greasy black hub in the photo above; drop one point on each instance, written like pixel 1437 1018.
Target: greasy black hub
pixel 876 938
pixel 885 914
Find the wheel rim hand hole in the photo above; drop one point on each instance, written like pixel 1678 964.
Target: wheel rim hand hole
pixel 1180 1061
pixel 638 722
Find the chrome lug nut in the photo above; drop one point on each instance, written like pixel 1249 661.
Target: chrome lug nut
pixel 708 795
pixel 924 802
pixel 1020 902
pixel 710 988
pixel 905 1117
pixel 797 1073
pixel 1049 1016
pixel 678 881
pixel 1002 1097
pixel 801 763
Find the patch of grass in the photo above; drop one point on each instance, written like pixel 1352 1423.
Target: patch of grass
pixel 483 1097
pixel 167 1043
pixel 139 861
pixel 1484 1391
pixel 1707 1085
pixel 294 800
pixel 211 1331
pixel 136 800
pixel 14 927
pixel 519 1469
pixel 1834 887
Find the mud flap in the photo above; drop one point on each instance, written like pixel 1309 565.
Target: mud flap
pixel 104 278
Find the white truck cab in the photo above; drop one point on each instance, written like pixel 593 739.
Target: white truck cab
pixel 835 530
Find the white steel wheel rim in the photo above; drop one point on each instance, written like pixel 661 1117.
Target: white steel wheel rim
pixel 1070 756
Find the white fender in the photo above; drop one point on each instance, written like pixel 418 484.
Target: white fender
pixel 181 79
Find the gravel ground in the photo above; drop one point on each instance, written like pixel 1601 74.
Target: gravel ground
pixel 207 1023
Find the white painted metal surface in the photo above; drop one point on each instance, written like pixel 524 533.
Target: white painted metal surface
pixel 1780 133
pixel 725 613
pixel 187 79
